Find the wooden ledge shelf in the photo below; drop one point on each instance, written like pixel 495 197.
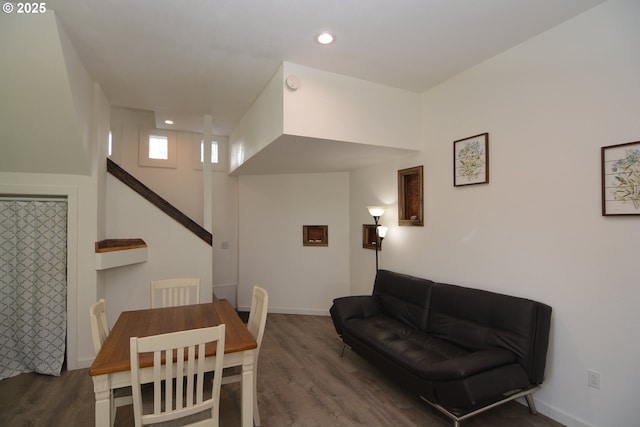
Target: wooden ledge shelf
pixel 113 253
pixel 111 245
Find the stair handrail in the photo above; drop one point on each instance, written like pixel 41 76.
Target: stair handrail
pixel 154 198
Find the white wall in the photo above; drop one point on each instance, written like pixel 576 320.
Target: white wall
pixel 170 183
pixel 173 251
pixel 272 211
pixel 80 85
pixel 325 106
pixel 225 236
pixel 536 229
pixel 183 187
pixel 260 126
pixel 341 108
pixel 375 186
pixel 46 96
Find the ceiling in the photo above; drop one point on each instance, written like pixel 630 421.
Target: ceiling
pixel 183 60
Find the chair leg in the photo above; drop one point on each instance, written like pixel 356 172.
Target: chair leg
pixel 256 411
pixel 114 410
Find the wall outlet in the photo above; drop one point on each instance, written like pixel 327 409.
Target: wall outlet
pixel 593 379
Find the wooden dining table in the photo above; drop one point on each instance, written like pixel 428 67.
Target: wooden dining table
pixel 111 368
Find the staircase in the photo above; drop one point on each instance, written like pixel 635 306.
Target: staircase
pixel 155 199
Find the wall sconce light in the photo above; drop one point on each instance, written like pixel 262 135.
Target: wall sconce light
pixel 376 212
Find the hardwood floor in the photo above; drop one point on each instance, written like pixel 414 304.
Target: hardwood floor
pixel 302 381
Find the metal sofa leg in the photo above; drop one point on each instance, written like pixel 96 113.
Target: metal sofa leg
pixel 531 403
pixel 339 337
pixel 458 418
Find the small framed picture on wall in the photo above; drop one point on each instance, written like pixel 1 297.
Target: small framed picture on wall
pixel 621 179
pixel 471 160
pixel 315 235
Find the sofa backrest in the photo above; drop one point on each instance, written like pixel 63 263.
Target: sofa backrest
pixel 403 297
pixel 477 319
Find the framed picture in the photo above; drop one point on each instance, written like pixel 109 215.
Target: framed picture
pixel 410 196
pixel 621 179
pixel 315 235
pixel 369 237
pixel 471 160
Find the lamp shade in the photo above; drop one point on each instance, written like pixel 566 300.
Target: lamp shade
pixel 376 210
pixel 382 231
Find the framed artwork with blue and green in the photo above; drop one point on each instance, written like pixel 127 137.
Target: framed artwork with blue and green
pixel 621 179
pixel 471 160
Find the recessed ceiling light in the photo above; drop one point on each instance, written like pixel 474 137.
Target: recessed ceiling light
pixel 168 122
pixel 325 38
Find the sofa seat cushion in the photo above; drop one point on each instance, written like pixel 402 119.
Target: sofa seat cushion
pixel 469 364
pixel 424 355
pixel 406 345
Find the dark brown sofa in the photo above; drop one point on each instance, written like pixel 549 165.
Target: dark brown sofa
pixel 462 350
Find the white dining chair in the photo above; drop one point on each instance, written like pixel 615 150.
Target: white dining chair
pixel 256 324
pixel 99 333
pixel 187 376
pixel 174 292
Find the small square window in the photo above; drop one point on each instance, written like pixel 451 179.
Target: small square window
pixel 158 147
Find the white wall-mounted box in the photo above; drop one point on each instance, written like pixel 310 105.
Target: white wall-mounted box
pixel 119 252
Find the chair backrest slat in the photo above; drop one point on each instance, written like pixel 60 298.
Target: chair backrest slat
pixel 175 292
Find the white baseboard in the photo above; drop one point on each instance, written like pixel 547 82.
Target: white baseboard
pixel 228 291
pixel 557 414
pixel 225 285
pixel 83 364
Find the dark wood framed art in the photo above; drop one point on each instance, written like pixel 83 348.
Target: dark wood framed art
pixel 621 179
pixel 410 196
pixel 315 235
pixel 369 237
pixel 471 160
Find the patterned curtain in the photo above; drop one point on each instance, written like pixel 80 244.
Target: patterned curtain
pixel 33 286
